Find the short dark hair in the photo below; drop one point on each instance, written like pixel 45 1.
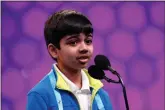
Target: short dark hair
pixel 65 22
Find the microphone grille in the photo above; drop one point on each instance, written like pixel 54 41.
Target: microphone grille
pixel 102 62
pixel 96 72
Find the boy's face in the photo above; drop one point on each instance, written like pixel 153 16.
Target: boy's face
pixel 75 51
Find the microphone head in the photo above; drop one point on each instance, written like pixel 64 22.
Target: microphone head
pixel 102 62
pixel 96 72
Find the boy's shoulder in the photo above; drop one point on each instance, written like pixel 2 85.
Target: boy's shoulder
pixel 103 92
pixel 43 87
pixel 42 91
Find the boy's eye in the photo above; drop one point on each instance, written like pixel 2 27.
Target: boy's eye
pixel 73 43
pixel 88 41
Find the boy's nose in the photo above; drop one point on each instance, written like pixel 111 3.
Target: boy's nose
pixel 83 48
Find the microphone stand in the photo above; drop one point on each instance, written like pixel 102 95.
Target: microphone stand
pixel 110 80
pixel 122 84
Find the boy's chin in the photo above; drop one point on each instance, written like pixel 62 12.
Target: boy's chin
pixel 82 66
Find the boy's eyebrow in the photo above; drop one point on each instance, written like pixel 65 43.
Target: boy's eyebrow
pixel 76 36
pixel 90 34
pixel 72 36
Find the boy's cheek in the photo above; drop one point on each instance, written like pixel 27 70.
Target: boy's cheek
pixel 91 50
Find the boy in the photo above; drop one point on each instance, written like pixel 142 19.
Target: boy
pixel 68 86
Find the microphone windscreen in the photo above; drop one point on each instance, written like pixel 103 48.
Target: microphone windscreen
pixel 96 72
pixel 102 62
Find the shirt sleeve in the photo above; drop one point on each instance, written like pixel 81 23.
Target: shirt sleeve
pixel 36 102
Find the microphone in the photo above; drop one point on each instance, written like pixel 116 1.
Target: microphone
pixel 98 73
pixel 103 63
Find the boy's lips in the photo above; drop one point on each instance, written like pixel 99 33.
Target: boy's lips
pixel 83 59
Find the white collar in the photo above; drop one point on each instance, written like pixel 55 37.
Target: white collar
pixel 73 87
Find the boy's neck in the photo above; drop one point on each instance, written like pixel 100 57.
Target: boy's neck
pixel 72 74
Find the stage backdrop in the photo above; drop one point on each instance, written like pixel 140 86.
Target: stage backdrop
pixel 130 34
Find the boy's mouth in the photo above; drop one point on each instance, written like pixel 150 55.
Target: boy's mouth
pixel 83 59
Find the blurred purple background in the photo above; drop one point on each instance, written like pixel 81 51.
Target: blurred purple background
pixel 131 34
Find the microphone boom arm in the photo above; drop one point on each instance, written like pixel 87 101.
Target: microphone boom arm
pixel 110 80
pixel 122 84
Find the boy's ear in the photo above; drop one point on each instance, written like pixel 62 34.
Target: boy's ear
pixel 52 50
